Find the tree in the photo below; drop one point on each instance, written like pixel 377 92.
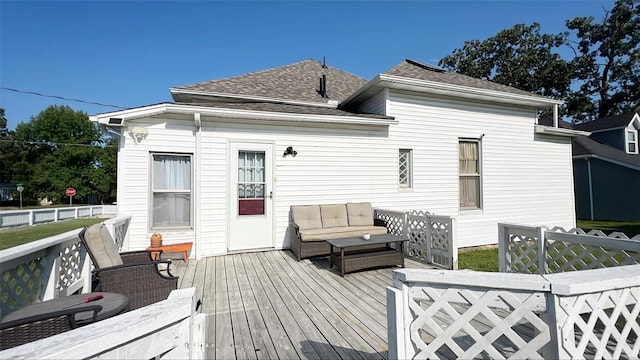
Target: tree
pixel 607 65
pixel 63 149
pixel 521 57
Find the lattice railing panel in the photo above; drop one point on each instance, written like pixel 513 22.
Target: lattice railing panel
pixel 565 256
pixel 417 247
pixel 451 322
pixel 601 325
pixel 120 233
pixel 395 220
pixel 522 254
pixel 71 258
pixel 22 285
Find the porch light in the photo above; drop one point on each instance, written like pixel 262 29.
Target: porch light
pixel 138 133
pixel 290 151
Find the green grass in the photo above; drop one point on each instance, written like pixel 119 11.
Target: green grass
pixel 629 228
pixel 14 237
pixel 479 260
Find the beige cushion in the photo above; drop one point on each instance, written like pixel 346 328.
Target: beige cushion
pixel 359 214
pixel 334 215
pixel 306 216
pixel 102 247
pixel 340 232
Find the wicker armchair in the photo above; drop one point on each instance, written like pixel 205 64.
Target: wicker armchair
pixel 25 330
pixel 131 273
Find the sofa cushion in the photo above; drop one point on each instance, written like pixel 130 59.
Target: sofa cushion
pixel 334 215
pixel 340 232
pixel 306 216
pixel 102 247
pixel 359 214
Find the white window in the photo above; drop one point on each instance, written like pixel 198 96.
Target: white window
pixel 171 188
pixel 405 168
pixel 632 141
pixel 470 174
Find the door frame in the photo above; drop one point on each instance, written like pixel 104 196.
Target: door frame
pixel 231 197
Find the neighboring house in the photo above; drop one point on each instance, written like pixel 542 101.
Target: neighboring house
pixel 606 169
pixel 222 165
pixel 6 191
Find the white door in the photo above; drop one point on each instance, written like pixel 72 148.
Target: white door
pixel 251 205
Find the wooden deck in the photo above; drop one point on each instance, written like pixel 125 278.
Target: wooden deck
pixel 266 305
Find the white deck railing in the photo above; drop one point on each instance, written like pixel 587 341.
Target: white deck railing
pixel 540 250
pixel 48 268
pixel 431 237
pixel 435 314
pixel 171 329
pixel 11 218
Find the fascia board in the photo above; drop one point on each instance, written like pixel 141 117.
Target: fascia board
pixel 248 97
pixel 466 91
pixel 617 162
pixel 548 130
pixel 236 114
pixel 434 87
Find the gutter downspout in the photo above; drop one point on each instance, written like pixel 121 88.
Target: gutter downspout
pixel 590 188
pixel 197 205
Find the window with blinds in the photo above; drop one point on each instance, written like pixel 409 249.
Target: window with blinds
pixel 470 174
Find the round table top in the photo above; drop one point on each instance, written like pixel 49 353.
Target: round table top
pixel 112 304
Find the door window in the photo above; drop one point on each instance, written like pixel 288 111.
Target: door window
pixel 251 182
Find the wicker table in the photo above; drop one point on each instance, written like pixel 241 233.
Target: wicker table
pixel 112 304
pixel 355 253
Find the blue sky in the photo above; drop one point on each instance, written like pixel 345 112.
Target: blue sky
pixel 130 53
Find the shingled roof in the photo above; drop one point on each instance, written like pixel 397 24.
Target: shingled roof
pixel 583 145
pixel 610 122
pixel 417 70
pixel 297 82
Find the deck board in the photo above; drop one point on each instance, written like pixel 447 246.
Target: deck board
pixel 267 305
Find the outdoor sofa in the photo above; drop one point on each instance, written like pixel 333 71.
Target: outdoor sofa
pixel 312 225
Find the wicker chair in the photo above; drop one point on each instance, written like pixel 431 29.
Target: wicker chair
pixel 25 330
pixel 130 273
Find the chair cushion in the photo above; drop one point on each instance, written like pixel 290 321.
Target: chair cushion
pixel 306 216
pixel 341 232
pixel 102 247
pixel 333 215
pixel 359 214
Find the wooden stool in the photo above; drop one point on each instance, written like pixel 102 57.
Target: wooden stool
pixel 181 247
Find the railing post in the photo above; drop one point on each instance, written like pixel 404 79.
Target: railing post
pixel 395 324
pixel 553 349
pixel 543 267
pixel 429 237
pixel 453 247
pixel 503 247
pixel 32 216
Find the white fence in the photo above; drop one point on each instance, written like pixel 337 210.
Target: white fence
pixel 169 329
pixel 435 314
pixel 560 294
pixel 431 237
pixel 49 268
pixel 11 218
pixel 540 250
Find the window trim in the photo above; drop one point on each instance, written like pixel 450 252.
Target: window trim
pixel 409 183
pixel 628 142
pixel 479 175
pixel 152 191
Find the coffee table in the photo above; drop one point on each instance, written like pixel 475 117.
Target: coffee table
pixel 355 253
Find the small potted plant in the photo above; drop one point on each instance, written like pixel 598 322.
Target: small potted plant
pixel 156 240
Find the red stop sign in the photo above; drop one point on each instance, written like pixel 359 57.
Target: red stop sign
pixel 71 191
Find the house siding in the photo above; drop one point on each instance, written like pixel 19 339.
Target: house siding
pixel 615 138
pixel 526 178
pixel 616 194
pixel 376 104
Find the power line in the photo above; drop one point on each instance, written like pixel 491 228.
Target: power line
pixel 51 143
pixel 61 97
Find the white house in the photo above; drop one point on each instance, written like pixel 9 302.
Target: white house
pixel 213 167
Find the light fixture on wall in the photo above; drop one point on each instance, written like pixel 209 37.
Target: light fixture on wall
pixel 138 133
pixel 290 151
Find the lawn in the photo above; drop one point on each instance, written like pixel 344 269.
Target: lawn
pixel 630 228
pixel 22 235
